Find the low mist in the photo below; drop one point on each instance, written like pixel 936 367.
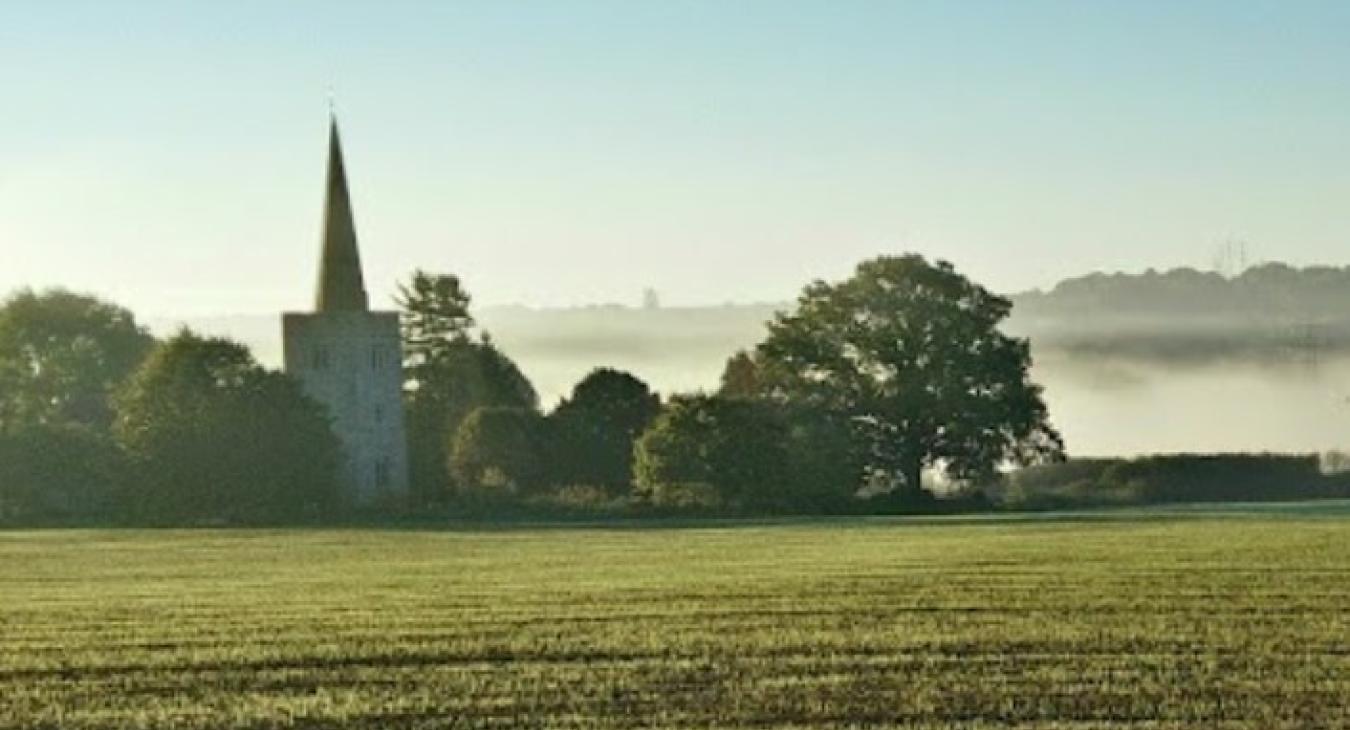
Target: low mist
pixel 1120 407
pixel 1114 389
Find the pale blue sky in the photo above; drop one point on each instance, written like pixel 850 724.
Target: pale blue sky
pixel 170 154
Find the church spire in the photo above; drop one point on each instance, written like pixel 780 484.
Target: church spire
pixel 341 285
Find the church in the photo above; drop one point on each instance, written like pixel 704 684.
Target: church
pixel 349 358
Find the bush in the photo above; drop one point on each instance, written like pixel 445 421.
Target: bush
pixel 1220 478
pixel 579 496
pixel 585 501
pixel 1063 475
pixel 735 448
pixel 1172 478
pixel 498 450
pixel 688 497
pixel 443 392
pixel 1064 485
pixel 58 472
pixel 755 455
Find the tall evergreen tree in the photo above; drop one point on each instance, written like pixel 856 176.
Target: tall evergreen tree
pixel 448 374
pixel 435 317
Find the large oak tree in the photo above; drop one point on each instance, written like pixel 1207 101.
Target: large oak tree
pixel 912 354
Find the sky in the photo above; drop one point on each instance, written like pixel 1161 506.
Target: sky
pixel 170 155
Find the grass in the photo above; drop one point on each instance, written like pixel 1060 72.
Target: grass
pixel 1152 620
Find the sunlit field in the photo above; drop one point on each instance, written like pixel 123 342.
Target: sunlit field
pixel 1158 620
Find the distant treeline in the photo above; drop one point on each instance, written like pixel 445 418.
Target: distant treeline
pixel 1266 291
pixel 1269 312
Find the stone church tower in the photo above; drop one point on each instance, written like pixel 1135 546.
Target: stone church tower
pixel 349 358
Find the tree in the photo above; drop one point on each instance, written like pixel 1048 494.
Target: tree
pixel 61 357
pixel 740 377
pixel 498 449
pixel 753 453
pixel 593 431
pixel 824 465
pixel 15 401
pixel 449 373
pixel 734 447
pixel 58 471
pixel 213 435
pixel 911 354
pixel 469 375
pixel 435 317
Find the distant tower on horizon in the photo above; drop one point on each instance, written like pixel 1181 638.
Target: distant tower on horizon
pixel 350 358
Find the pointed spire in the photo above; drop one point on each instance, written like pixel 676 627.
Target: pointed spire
pixel 341 285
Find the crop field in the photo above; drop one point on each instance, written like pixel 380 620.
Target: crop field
pixel 1233 620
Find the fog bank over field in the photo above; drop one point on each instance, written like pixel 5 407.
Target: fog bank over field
pixel 1107 408
pixel 1154 362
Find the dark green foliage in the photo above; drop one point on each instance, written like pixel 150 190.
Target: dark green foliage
pixel 214 436
pixel 435 315
pixel 753 454
pixel 499 451
pixel 448 374
pixel 58 472
pixel 61 357
pixel 825 466
pixel 1172 478
pixel 741 377
pixel 733 447
pixel 15 403
pixel 911 353
pixel 1218 477
pixel 467 376
pixel 593 431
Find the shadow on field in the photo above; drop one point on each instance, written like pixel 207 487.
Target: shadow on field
pixel 1316 509
pixel 1293 510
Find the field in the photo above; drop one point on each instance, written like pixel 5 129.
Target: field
pixel 1159 620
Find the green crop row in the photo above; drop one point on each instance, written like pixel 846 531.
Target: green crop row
pixel 1200 621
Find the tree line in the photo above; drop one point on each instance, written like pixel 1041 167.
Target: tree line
pixel 856 395
pixel 1267 291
